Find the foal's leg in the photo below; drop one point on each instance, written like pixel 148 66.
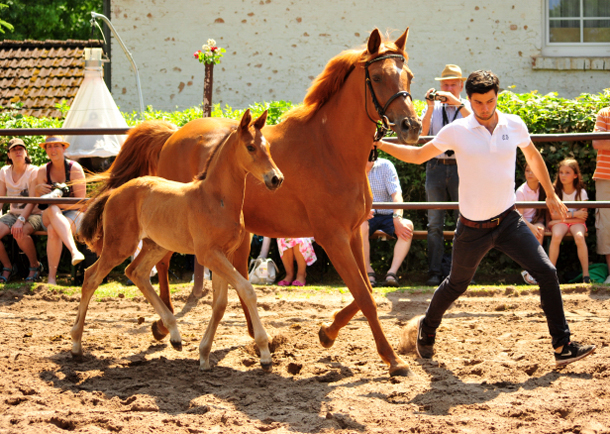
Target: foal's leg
pixel 139 273
pixel 218 263
pixel 219 305
pixel 158 329
pixel 92 279
pixel 348 258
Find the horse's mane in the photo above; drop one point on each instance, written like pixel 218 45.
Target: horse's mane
pixel 217 147
pixel 334 75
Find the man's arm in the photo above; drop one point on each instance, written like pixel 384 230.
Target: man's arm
pixel 410 154
pixel 535 161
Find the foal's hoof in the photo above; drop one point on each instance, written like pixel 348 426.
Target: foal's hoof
pixel 324 339
pixel 159 331
pixel 267 366
pixel 401 371
pixel 177 345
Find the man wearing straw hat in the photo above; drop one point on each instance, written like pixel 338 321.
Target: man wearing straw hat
pixel 444 106
pixel 61 221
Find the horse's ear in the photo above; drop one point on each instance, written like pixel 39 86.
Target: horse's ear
pixel 402 41
pixel 261 121
pixel 245 120
pixel 374 42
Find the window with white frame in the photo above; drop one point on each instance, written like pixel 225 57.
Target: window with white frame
pixel 578 28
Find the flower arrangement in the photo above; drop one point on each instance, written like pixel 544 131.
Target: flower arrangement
pixel 210 53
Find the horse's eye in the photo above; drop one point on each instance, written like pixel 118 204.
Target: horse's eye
pixel 251 148
pixel 376 78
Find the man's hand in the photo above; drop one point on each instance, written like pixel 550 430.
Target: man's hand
pixel 556 206
pixel 402 230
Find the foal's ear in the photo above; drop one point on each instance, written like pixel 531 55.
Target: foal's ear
pixel 402 41
pixel 245 120
pixel 374 42
pixel 260 122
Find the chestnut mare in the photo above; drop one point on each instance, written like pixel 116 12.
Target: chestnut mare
pixel 322 148
pixel 203 217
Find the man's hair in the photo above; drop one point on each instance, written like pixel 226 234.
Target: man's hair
pixel 482 82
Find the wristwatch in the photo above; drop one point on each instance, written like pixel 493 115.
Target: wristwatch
pixel 396 216
pixel 21 219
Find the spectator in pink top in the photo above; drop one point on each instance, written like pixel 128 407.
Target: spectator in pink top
pixel 530 191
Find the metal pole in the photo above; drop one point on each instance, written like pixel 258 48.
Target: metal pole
pixel 129 56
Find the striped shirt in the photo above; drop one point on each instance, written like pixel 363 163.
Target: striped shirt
pixel 384 183
pixel 602 124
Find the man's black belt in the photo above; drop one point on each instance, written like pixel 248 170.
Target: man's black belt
pixel 446 161
pixel 486 224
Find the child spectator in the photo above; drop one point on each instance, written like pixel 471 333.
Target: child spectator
pixel 299 250
pixel 569 187
pixel 530 191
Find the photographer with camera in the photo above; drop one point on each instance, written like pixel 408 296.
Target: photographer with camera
pixel 60 177
pixel 444 106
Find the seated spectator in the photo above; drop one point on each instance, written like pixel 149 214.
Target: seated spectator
pixel 385 186
pixel 530 191
pixel 569 187
pixel 61 221
pixel 299 250
pixel 18 178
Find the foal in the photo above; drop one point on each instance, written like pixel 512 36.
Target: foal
pixel 203 217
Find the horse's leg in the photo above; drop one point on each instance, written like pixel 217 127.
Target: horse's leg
pixel 240 262
pixel 345 315
pixel 158 329
pixel 339 249
pixel 139 273
pixel 218 263
pixel 219 305
pixel 94 275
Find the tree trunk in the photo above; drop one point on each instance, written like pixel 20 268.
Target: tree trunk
pixel 208 83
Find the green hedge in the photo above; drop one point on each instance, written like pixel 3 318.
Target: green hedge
pixel 543 114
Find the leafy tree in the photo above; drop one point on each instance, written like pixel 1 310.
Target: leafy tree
pixel 48 19
pixel 4 23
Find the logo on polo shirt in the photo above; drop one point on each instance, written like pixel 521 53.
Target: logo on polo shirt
pixel 504 136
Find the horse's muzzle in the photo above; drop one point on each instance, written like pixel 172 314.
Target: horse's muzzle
pixel 274 179
pixel 408 129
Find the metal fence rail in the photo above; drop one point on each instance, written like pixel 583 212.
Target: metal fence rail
pixel 376 205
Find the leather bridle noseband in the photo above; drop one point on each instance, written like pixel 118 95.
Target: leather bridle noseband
pixel 384 126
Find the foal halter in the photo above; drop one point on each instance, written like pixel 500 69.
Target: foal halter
pixel 384 126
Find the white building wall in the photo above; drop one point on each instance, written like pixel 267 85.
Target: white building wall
pixel 276 47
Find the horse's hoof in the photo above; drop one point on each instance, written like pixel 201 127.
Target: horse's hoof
pixel 324 339
pixel 156 331
pixel 177 345
pixel 267 366
pixel 401 371
pixel 77 357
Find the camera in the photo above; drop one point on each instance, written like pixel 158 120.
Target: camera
pixel 58 190
pixel 433 96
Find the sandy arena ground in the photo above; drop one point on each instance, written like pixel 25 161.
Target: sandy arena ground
pixel 493 372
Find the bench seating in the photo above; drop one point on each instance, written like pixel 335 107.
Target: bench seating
pixel 448 235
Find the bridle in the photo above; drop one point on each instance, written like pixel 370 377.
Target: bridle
pixel 384 126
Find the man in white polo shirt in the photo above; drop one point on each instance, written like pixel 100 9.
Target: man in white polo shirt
pixel 485 145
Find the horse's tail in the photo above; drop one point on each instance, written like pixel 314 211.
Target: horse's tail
pixel 138 156
pixel 91 229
